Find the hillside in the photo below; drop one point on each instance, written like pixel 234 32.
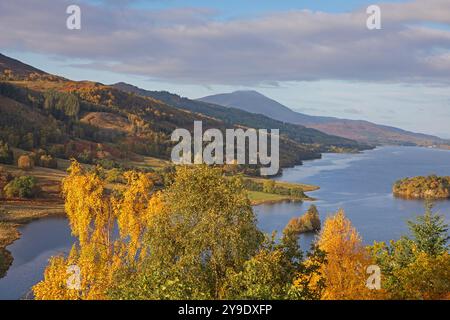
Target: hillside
pixel 233 116
pixel 19 68
pixel 362 131
pixel 93 122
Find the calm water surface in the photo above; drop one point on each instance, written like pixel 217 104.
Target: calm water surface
pixel 359 183
pixel 39 241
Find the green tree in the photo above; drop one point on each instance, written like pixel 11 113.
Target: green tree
pixel 205 228
pixel 269 186
pixel 23 187
pixel 6 154
pixel 265 276
pixel 417 266
pixel 430 232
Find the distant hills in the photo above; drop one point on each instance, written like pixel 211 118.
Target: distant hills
pixel 236 116
pixel 359 130
pixel 94 122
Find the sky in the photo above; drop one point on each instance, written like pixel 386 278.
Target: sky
pixel 316 57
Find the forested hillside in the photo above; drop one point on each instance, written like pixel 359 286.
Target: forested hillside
pixel 90 121
pixel 233 116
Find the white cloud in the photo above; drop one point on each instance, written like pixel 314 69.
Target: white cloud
pixel 188 45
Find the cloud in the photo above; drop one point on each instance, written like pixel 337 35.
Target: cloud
pixel 352 111
pixel 189 45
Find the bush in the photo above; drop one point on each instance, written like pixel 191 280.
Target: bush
pixel 22 187
pixel 269 186
pixel 5 177
pixel 25 162
pixel 115 176
pixel 6 155
pixel 47 161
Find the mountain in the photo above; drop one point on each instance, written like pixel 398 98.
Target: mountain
pixel 94 122
pixel 235 116
pixel 359 130
pixel 255 102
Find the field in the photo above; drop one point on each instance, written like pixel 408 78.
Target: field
pixel 257 198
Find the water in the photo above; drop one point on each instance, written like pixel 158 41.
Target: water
pixel 359 183
pixel 40 240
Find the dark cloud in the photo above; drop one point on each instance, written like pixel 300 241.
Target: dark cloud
pixel 189 45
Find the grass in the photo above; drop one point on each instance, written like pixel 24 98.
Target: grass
pixel 290 185
pixel 257 198
pixel 149 162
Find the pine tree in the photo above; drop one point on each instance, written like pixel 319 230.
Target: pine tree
pixel 430 232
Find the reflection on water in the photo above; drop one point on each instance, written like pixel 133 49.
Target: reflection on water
pixel 40 240
pixel 361 184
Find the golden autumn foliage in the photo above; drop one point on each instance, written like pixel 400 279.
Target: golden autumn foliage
pixel 25 162
pixel 93 215
pixel 198 228
pixel 198 239
pixel 344 272
pixel 427 277
pixel 309 222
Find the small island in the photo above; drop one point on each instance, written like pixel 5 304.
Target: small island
pixel 309 222
pixel 430 187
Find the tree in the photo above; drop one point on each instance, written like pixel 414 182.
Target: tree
pixel 22 187
pixel 269 186
pixel 430 233
pixel 417 267
pixel 265 276
pixel 47 161
pixel 93 213
pixel 6 154
pixel 309 222
pixel 25 162
pixel 204 228
pixel 347 259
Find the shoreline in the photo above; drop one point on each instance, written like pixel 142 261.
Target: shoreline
pixel 261 202
pixel 13 217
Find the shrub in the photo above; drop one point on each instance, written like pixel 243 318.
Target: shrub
pixel 115 176
pixel 269 186
pixel 22 187
pixel 47 161
pixel 6 155
pixel 85 156
pixel 25 162
pixel 5 177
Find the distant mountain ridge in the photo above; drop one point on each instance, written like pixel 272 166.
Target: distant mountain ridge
pixel 92 122
pixel 233 116
pixel 359 130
